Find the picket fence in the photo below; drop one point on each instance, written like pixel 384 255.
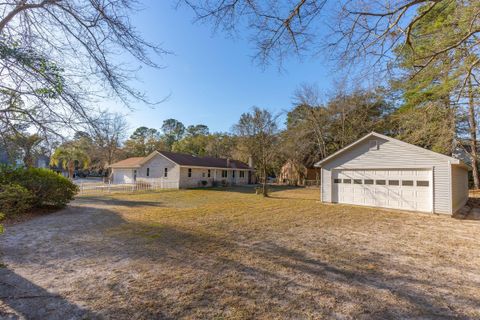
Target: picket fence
pixel 93 188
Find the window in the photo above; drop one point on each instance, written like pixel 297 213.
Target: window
pixel 393 182
pixel 423 183
pixel 233 173
pixel 208 174
pixel 203 174
pixel 189 172
pixel 368 181
pixel 337 180
pixel 380 182
pixel 373 145
pixel 242 174
pixel 148 172
pixel 165 172
pixel 224 173
pixel 347 180
pixel 407 183
pixel 357 181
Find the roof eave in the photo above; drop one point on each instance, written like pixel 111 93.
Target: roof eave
pixel 124 167
pixel 213 167
pixel 378 135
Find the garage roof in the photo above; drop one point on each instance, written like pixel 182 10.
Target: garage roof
pixel 454 161
pixel 133 162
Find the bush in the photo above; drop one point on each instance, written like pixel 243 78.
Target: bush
pixel 1 225
pixel 46 187
pixel 14 199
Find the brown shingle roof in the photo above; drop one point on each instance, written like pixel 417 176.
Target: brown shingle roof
pixel 189 160
pixel 184 160
pixel 128 163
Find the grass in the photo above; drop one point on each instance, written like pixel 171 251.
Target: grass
pixel 229 254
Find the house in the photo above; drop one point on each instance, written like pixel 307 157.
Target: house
pixel 42 161
pixel 293 174
pixel 183 170
pixel 4 157
pixel 381 171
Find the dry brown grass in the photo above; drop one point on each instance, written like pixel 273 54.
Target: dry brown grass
pixel 229 254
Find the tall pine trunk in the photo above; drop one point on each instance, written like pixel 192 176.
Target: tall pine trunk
pixel 473 134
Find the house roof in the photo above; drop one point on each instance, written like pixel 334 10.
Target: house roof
pixel 134 162
pixel 182 159
pixel 454 161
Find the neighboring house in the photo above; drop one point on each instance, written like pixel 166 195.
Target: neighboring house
pixel 293 174
pixel 39 161
pixel 42 161
pixel 184 170
pixel 384 172
pixel 3 157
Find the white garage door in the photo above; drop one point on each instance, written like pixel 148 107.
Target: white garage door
pixel 123 176
pixel 395 188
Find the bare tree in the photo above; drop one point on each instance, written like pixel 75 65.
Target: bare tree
pixel 58 56
pixel 258 133
pixel 107 134
pixel 473 128
pixel 362 30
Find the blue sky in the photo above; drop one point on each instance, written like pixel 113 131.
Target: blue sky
pixel 211 78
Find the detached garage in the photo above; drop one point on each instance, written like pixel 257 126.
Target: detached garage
pixel 380 171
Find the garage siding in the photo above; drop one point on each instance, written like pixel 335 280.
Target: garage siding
pixel 326 184
pixel 459 187
pixel 392 155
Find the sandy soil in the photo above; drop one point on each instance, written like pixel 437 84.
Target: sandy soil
pixel 229 254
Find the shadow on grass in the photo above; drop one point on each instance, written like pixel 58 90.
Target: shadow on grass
pixel 115 201
pixel 190 249
pixel 34 302
pixel 250 189
pixel 218 269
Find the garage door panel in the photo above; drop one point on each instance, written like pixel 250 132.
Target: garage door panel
pixel 395 188
pixel 123 176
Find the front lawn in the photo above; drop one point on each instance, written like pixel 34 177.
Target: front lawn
pixel 229 254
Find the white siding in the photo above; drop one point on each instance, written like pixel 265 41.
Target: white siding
pixel 459 187
pixel 201 174
pixel 326 185
pixel 157 167
pixel 393 155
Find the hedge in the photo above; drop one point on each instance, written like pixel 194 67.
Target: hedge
pixel 21 189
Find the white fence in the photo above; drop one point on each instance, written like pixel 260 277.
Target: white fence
pixel 141 184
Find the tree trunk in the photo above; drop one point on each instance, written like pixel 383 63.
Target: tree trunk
pixel 264 187
pixel 28 160
pixel 473 135
pixel 71 169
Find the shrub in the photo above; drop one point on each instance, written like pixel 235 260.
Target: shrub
pixel 14 199
pixel 1 225
pixel 46 186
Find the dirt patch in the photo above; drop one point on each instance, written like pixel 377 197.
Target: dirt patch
pixel 226 253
